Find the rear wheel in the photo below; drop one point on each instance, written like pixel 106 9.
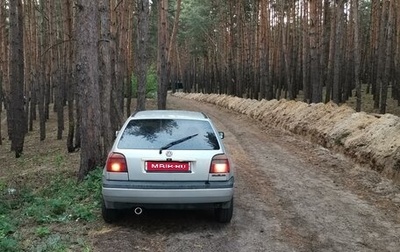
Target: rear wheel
pixel 224 215
pixel 109 215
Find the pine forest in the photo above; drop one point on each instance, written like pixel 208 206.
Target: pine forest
pixel 94 58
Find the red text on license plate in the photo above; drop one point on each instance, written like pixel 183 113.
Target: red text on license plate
pixel 168 166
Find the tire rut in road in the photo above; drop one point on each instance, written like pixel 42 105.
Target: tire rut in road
pixel 316 208
pixel 260 214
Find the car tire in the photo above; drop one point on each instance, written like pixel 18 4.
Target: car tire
pixel 224 215
pixel 109 215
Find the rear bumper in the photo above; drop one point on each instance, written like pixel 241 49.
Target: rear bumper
pixel 127 194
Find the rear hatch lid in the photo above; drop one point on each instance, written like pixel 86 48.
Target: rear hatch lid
pixel 169 149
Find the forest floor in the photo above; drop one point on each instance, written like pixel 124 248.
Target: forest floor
pixel 291 194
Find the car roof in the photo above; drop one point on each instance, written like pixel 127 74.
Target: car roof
pixel 169 114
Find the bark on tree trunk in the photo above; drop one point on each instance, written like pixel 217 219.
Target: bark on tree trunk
pixel 142 56
pixel 116 91
pixel 357 58
pixel 42 71
pixel 16 76
pixel 326 32
pixel 337 59
pixel 314 60
pixel 380 54
pixel 162 54
pixel 285 58
pixel 3 58
pixel 87 74
pixel 388 51
pixel 70 80
pixel 306 55
pixel 33 61
pixel 105 75
pixel 1 104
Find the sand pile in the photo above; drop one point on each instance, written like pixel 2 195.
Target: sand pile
pixel 368 139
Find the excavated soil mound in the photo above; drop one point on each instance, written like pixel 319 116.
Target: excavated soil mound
pixel 369 139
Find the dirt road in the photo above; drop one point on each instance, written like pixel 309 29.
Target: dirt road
pixel 290 195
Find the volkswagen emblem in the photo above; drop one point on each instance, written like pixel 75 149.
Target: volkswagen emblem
pixel 168 153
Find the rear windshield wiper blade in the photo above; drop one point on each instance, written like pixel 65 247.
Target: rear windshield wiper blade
pixel 167 146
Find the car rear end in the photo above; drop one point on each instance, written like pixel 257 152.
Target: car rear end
pixel 168 159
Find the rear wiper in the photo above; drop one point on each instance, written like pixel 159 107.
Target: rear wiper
pixel 167 146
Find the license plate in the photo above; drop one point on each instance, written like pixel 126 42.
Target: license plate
pixel 167 166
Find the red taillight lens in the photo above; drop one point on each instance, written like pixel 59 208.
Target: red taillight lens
pixel 116 163
pixel 220 164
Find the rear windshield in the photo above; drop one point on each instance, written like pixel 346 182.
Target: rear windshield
pixel 158 133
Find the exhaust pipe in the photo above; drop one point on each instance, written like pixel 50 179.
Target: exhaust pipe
pixel 138 210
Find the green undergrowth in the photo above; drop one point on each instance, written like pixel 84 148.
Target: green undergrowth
pixel 42 215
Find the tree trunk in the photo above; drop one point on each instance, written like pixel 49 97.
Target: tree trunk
pixel 337 59
pixel 59 103
pixel 262 54
pixel 105 75
pixel 285 51
pixel 16 108
pixel 43 44
pixel 172 42
pixel 314 60
pixel 55 84
pixel 306 55
pixel 175 28
pixel 357 57
pixel 116 91
pixel 70 80
pixel 122 54
pixel 378 52
pixel 32 61
pixel 142 56
pixel 162 68
pixel 331 55
pixel 324 49
pixel 3 58
pixel 1 103
pixel 129 11
pixel 89 94
pixel 388 53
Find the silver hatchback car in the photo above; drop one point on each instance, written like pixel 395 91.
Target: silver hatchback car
pixel 168 159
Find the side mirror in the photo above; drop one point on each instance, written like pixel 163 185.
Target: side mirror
pixel 116 133
pixel 221 134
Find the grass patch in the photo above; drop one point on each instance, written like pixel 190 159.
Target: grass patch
pixel 7 229
pixel 37 213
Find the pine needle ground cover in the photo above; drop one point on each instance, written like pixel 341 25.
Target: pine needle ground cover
pixel 42 207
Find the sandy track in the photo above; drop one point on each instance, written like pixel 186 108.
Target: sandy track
pixel 290 195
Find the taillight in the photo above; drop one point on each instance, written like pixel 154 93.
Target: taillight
pixel 220 164
pixel 116 163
